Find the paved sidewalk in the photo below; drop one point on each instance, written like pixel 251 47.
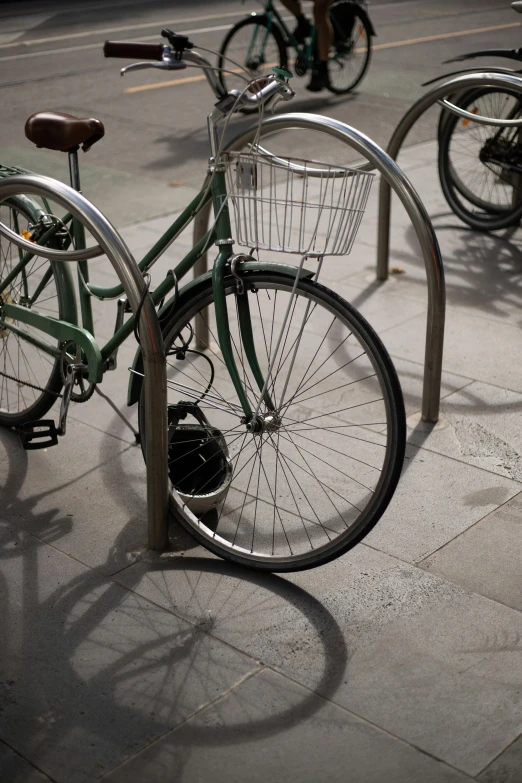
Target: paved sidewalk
pixel 398 663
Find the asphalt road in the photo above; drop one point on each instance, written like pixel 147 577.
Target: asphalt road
pixel 51 58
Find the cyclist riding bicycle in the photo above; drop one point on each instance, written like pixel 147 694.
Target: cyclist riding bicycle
pixel 325 38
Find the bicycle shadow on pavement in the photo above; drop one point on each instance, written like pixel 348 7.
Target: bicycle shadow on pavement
pixel 14 467
pixel 99 670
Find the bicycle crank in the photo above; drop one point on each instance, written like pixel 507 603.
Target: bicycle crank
pixel 72 357
pixel 5 299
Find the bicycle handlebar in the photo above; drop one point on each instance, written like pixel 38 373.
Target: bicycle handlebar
pixel 132 50
pixel 164 57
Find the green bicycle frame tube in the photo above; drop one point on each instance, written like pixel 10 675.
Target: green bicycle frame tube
pixel 247 338
pixel 159 293
pixel 97 359
pixel 224 242
pixel 23 315
pixel 161 245
pixel 62 331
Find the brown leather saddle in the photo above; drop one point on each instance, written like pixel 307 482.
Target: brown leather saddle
pixel 57 131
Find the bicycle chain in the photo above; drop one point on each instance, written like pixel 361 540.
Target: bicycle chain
pixel 31 385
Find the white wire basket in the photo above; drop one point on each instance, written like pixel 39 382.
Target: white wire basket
pixel 295 206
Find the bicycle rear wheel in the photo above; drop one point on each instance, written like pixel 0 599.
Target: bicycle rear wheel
pixel 480 166
pixel 254 45
pixel 321 470
pixel 30 378
pixel 352 47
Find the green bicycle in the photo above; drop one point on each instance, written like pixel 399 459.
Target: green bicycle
pixel 261 41
pixel 286 425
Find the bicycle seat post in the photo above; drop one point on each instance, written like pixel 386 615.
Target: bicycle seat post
pixel 74 169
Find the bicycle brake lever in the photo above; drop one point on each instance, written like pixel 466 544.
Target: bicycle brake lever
pixel 286 96
pixel 171 65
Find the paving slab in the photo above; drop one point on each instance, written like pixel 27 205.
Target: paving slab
pixel 411 376
pixel 473 347
pixel 86 496
pixel 14 769
pixel 429 655
pixel 486 558
pixel 417 656
pixel 436 499
pixel 269 720
pixel 91 671
pixel 480 427
pixel 507 768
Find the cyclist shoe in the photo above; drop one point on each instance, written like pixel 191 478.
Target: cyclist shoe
pixel 303 29
pixel 320 78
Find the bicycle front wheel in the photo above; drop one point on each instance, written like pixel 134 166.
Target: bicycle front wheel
pixel 250 49
pixel 314 478
pixel 30 378
pixel 352 46
pixel 480 166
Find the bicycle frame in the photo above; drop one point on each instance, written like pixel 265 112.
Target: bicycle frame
pixel 99 359
pixel 272 13
pixel 72 331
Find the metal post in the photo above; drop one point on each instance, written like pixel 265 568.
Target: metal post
pixel 152 343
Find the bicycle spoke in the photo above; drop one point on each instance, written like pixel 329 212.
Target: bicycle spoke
pixel 296 486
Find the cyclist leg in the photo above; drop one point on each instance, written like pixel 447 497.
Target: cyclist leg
pixel 324 29
pixel 304 28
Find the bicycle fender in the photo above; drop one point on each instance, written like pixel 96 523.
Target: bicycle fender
pixel 186 293
pixel 62 272
pixel 27 203
pixel 361 12
pixel 476 69
pixel 510 54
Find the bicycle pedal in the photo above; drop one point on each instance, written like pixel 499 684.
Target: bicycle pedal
pixel 40 434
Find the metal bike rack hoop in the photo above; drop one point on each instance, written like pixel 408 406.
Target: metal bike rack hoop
pixel 151 339
pixel 394 178
pixel 434 269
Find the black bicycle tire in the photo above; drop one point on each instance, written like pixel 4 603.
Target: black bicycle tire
pixel 394 403
pixel 463 100
pixel 261 21
pixel 55 383
pixel 494 217
pixel 361 17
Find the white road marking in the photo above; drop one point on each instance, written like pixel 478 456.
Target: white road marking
pixel 99 45
pixel 121 29
pixel 15 26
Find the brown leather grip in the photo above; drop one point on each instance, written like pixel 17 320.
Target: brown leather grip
pixel 133 50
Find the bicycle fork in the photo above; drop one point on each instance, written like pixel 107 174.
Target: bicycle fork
pixel 225 262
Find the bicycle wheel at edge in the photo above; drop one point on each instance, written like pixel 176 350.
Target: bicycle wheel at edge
pixel 350 59
pixel 311 489
pixel 258 51
pixel 30 366
pixel 480 193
